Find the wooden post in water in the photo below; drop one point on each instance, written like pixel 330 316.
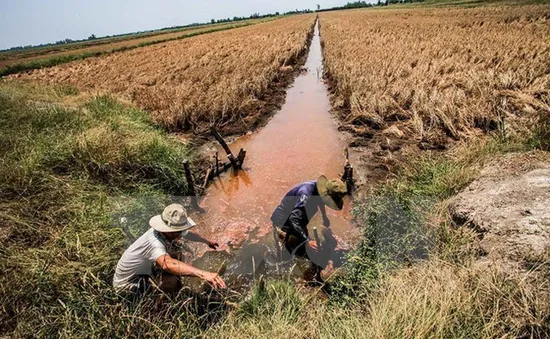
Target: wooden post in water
pixel 316 236
pixel 207 177
pixel 217 164
pixel 191 186
pixel 347 176
pixel 230 156
pixel 241 156
pixel 277 249
pixel 235 162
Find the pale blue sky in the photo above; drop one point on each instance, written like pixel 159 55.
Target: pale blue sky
pixel 26 22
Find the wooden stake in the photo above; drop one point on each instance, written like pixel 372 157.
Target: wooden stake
pixel 347 176
pixel 316 236
pixel 346 152
pixel 277 246
pixel 253 268
pixel 241 156
pixel 230 156
pixel 191 186
pixel 217 164
pixel 207 177
pixel 261 284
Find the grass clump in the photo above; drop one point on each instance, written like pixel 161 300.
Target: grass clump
pixel 63 173
pixel 103 142
pixel 269 311
pixel 414 274
pixel 541 135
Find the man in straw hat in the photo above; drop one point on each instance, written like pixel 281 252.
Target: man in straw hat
pixel 147 262
pixel 297 208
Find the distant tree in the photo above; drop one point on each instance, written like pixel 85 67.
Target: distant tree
pixel 92 37
pixel 277 13
pixel 318 7
pixel 213 21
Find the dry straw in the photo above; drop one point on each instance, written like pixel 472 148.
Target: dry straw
pixel 218 78
pixel 439 73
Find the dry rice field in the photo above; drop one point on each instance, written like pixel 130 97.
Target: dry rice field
pixel 108 44
pixel 437 74
pixel 220 79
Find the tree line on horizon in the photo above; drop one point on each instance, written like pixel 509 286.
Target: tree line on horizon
pixel 195 24
pixel 349 5
pixel 364 4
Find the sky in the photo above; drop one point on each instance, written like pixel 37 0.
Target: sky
pixel 32 22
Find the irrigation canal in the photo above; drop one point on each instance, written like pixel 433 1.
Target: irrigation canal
pixel 299 143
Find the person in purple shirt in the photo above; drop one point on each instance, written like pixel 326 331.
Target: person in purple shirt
pixel 299 205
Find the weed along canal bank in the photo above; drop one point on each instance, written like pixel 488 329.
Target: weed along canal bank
pixel 300 143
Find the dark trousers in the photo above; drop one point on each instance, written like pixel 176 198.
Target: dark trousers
pixel 308 264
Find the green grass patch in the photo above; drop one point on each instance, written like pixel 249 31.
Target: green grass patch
pixel 541 132
pixel 400 219
pixel 66 174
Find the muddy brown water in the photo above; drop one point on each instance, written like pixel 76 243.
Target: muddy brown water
pixel 298 144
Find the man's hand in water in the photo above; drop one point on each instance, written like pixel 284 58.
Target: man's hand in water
pixel 312 244
pixel 213 245
pixel 326 221
pixel 214 279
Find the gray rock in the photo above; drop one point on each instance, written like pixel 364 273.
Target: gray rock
pixel 509 206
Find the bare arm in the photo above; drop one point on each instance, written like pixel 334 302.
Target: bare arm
pixel 179 268
pixel 192 236
pixel 176 267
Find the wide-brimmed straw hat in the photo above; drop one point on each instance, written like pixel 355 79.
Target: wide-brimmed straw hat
pixel 332 192
pixel 173 219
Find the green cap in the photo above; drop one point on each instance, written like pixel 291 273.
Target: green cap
pixel 332 192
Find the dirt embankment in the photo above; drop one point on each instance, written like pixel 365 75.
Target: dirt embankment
pixel 509 207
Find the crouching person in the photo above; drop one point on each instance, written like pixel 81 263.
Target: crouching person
pixel 293 214
pixel 147 261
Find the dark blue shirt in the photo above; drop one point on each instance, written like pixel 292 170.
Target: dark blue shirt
pixel 298 206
